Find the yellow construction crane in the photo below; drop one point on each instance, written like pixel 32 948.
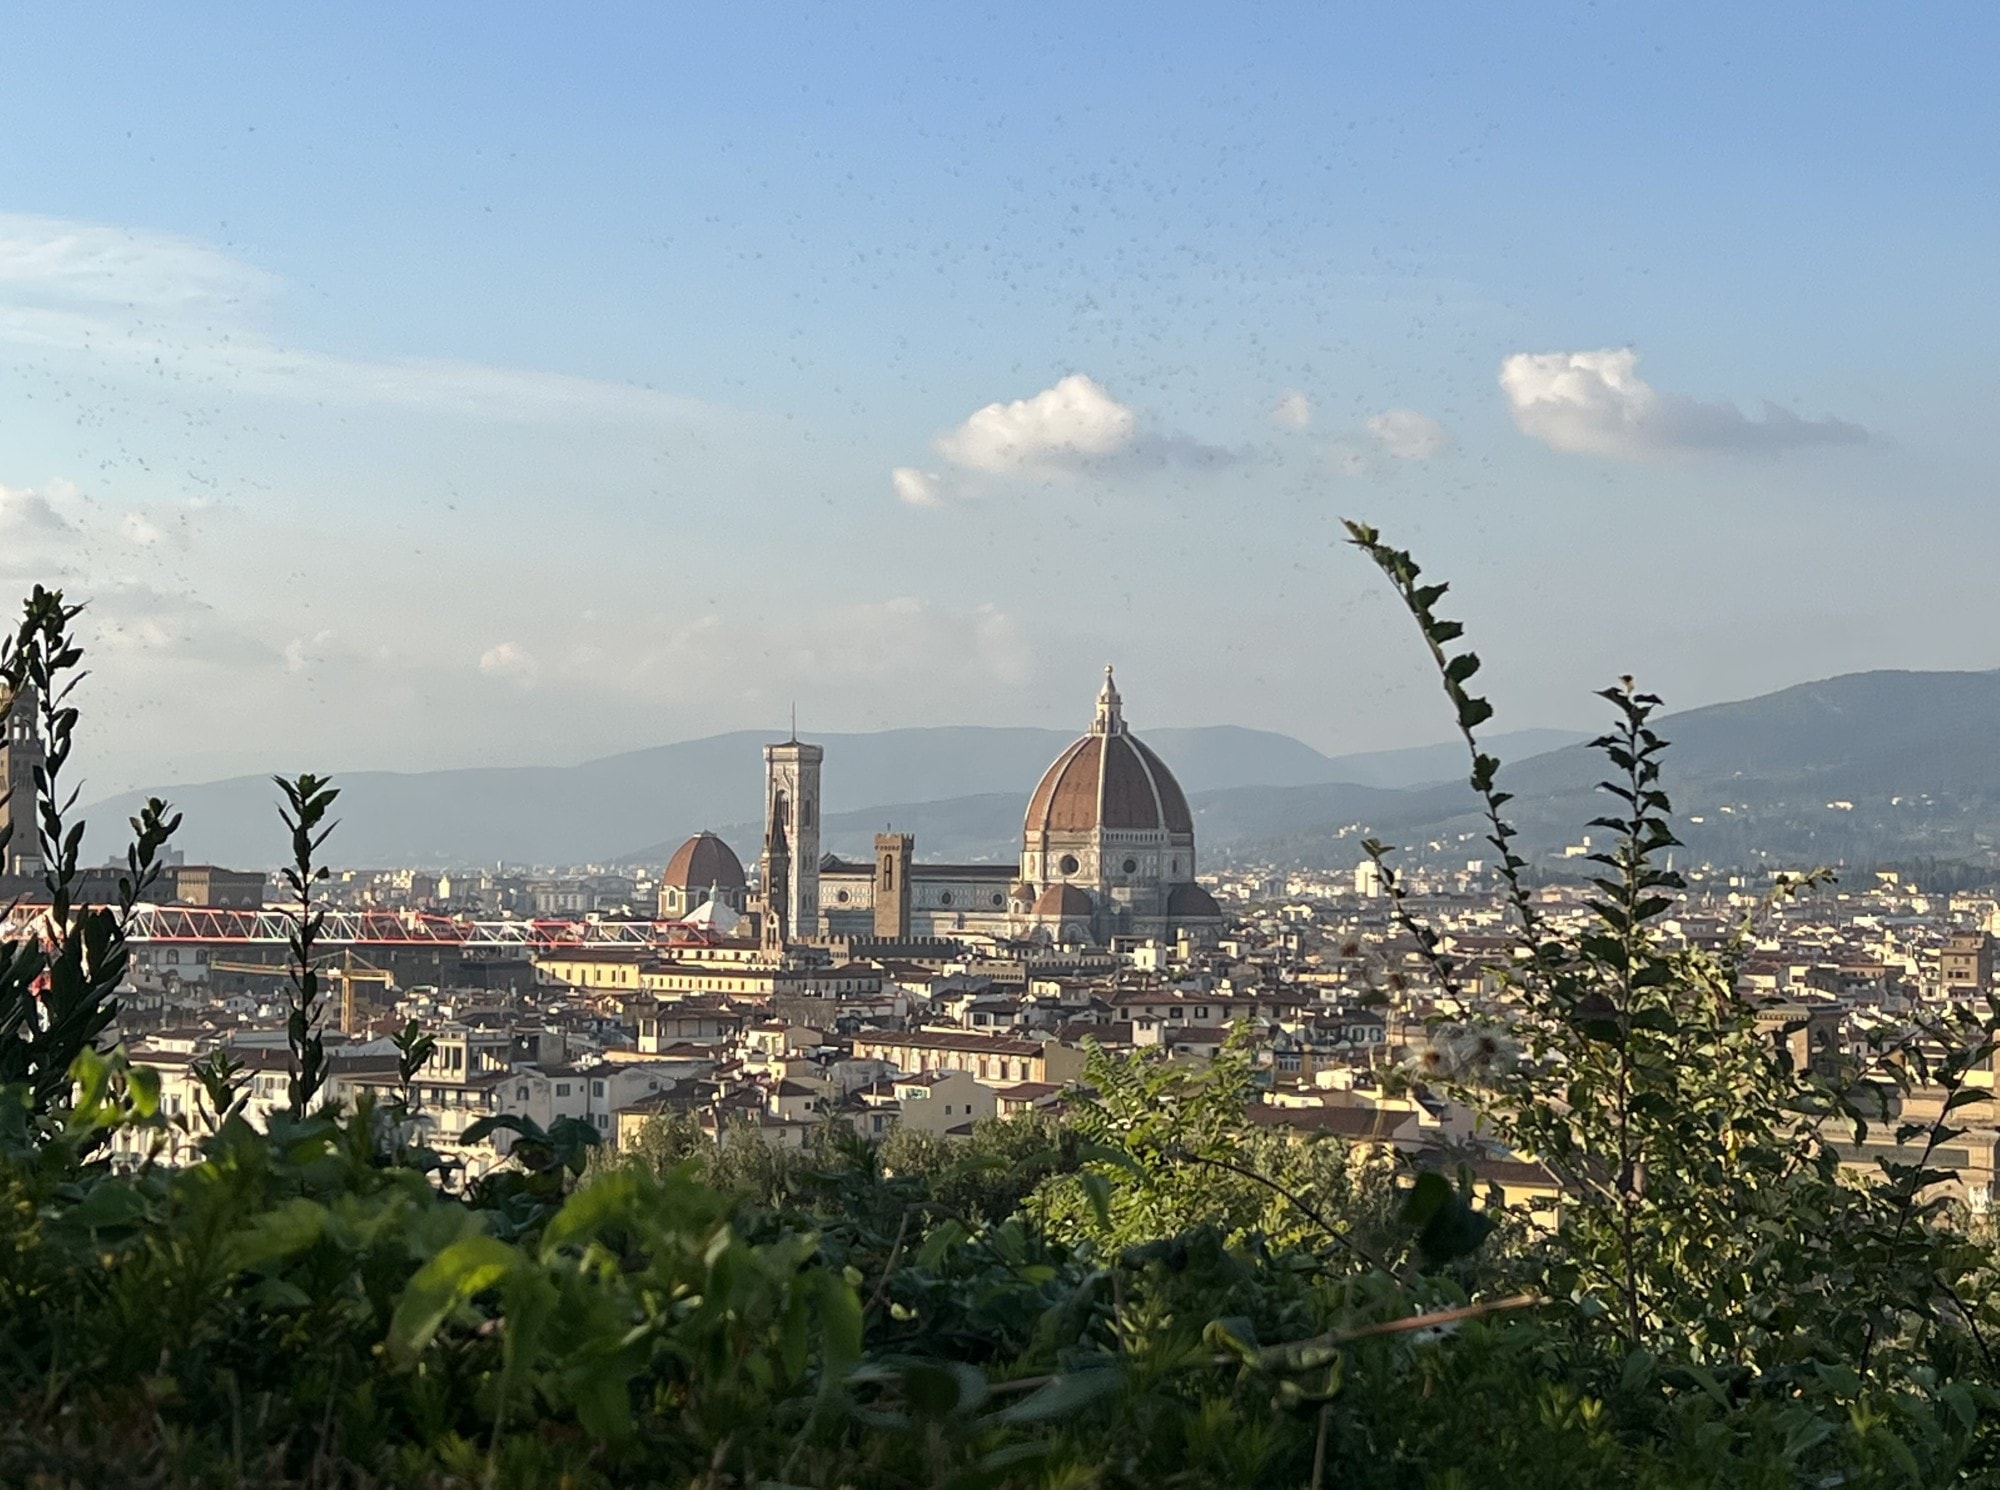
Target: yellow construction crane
pixel 352 968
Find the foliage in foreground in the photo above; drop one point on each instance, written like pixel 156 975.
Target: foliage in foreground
pixel 1143 1296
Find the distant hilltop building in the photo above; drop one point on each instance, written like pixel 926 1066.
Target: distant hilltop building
pixel 1107 851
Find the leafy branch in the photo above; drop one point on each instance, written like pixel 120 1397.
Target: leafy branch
pixel 1469 711
pixel 307 801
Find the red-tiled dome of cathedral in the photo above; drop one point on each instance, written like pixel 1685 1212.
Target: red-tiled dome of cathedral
pixel 1108 779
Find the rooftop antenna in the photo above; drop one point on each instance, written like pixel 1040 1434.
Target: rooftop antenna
pixel 795 721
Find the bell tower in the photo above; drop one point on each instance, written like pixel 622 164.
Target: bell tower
pixel 893 853
pixel 791 818
pixel 21 751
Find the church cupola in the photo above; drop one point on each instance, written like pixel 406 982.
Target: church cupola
pixel 1110 708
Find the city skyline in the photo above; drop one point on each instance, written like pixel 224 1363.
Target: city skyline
pixel 403 395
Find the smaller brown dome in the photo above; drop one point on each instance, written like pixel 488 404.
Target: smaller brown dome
pixel 1192 903
pixel 702 861
pixel 1063 903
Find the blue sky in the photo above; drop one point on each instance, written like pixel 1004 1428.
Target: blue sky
pixel 429 385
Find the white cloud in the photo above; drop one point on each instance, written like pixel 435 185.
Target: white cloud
pixel 141 529
pixel 918 488
pixel 53 258
pixel 27 515
pixel 125 617
pixel 169 308
pixel 1408 435
pixel 41 541
pixel 1074 422
pixel 1595 403
pixel 1070 430
pixel 510 662
pixel 1294 412
pixel 302 652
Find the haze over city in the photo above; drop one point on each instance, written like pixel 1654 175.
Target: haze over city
pixel 409 389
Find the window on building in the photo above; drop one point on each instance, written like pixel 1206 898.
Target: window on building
pixel 562 1088
pixel 597 1089
pixel 520 1094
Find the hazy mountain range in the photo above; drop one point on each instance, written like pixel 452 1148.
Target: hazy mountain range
pixel 639 806
pixel 1868 767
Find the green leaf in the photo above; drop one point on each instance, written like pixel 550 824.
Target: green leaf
pixel 1959 1400
pixel 1064 1395
pixel 276 1234
pixel 602 1392
pixel 1638 1370
pixel 1236 1335
pixel 947 1235
pixel 938 1391
pixel 280 1294
pixel 840 1323
pixel 466 1268
pixel 1097 1190
pixel 1430 1194
pixel 143 1084
pixel 110 1206
pixel 1447 1225
pixel 590 1210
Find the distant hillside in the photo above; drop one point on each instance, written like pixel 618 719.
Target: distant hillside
pixel 639 805
pixel 1864 768
pixel 1425 765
